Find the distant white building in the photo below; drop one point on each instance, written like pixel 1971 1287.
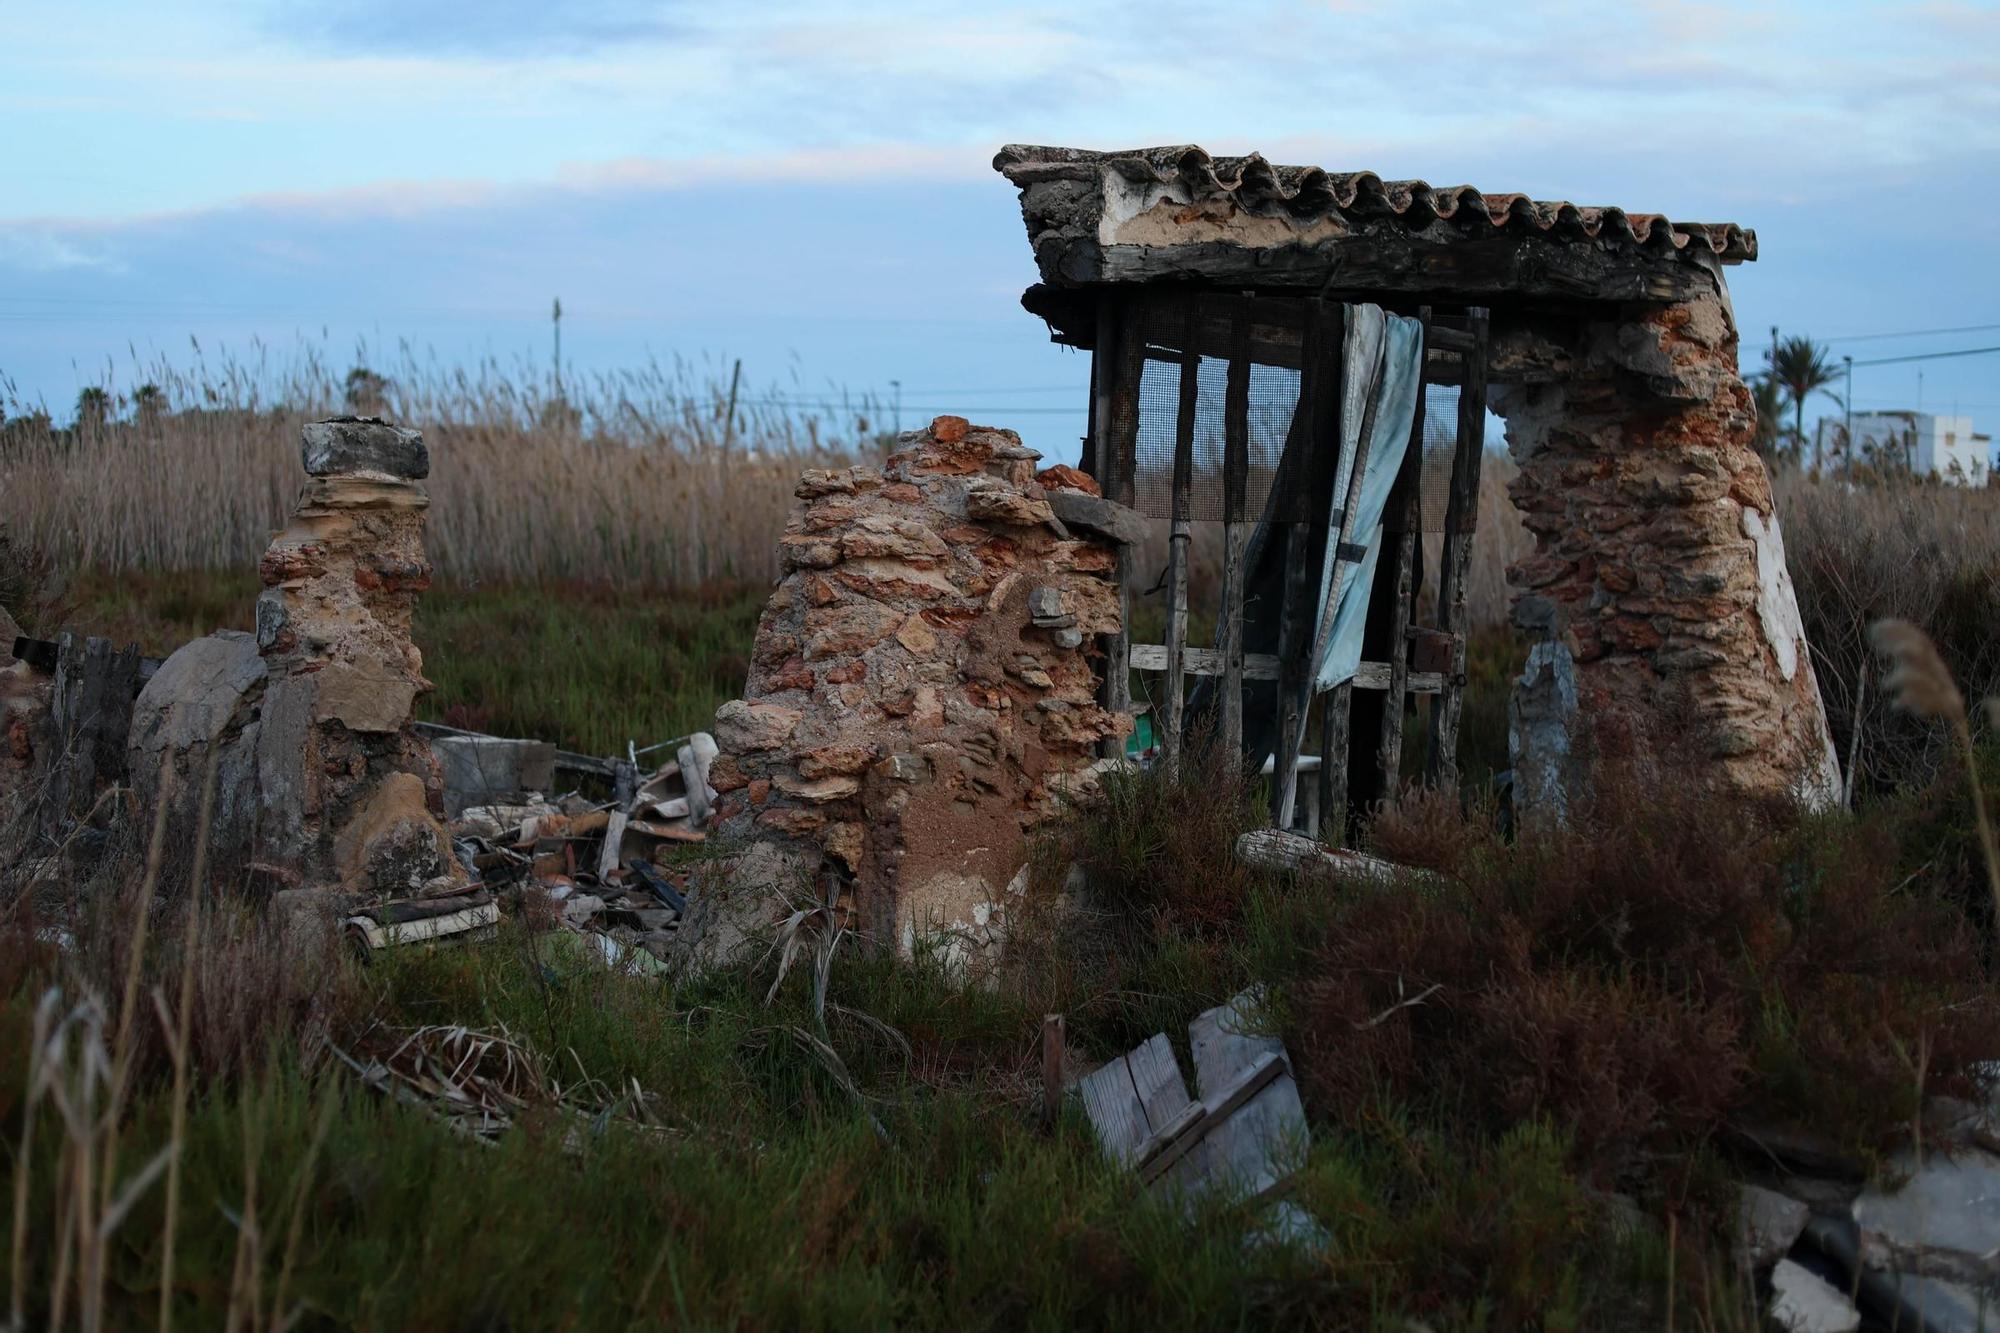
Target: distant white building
pixel 1926 443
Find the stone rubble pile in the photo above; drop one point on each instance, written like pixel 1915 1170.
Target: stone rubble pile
pixel 924 678
pixel 1915 1244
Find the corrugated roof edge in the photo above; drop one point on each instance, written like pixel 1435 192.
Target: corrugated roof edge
pixel 1307 192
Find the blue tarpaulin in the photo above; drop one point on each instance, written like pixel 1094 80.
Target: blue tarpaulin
pixel 1383 361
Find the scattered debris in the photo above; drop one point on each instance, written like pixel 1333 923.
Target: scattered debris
pixel 417 921
pixel 1767 1223
pixel 598 864
pixel 1246 1135
pixel 1804 1302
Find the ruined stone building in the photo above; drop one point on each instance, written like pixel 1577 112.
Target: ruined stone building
pixel 1606 341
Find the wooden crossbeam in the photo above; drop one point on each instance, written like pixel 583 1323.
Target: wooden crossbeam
pixel 1264 666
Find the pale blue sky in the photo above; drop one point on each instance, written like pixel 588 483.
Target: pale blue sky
pixel 807 186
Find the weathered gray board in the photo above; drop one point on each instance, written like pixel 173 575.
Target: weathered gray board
pixel 1246 1135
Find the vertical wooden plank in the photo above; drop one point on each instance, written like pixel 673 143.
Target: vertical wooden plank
pixel 1122 361
pixel 1320 384
pixel 1235 533
pixel 1336 741
pixel 1460 514
pixel 1399 538
pixel 1053 1044
pixel 1103 356
pixel 1291 669
pixel 1174 689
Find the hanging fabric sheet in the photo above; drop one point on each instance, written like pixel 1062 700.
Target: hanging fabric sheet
pixel 1383 371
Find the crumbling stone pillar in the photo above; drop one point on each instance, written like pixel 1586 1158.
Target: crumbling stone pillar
pixel 322 782
pixel 921 678
pixel 1657 595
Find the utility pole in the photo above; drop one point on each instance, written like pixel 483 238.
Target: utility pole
pixel 555 318
pixel 729 425
pixel 1847 426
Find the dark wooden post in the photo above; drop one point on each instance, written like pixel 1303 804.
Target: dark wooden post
pixel 1175 688
pixel 1390 613
pixel 1235 533
pixel 1461 515
pixel 1116 366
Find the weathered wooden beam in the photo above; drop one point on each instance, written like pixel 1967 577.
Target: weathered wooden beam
pixel 1265 666
pixel 1390 262
pixel 1461 515
pixel 1124 362
pixel 1399 537
pixel 1336 739
pixel 1179 542
pixel 1235 534
pixel 1294 636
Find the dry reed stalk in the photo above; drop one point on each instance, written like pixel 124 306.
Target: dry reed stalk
pixel 178 1035
pixel 1919 683
pixel 626 477
pixel 45 1011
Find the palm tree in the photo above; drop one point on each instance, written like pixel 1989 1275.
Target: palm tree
pixel 147 404
pixel 93 405
pixel 366 392
pixel 1767 400
pixel 1803 367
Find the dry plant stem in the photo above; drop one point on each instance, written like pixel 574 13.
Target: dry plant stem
pixel 295 1226
pixel 183 1022
pixel 245 1297
pixel 1982 820
pixel 129 1001
pixel 30 1109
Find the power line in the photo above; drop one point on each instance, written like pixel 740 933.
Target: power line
pixel 1928 356
pixel 1909 333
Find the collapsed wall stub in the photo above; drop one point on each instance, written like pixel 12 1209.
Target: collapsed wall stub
pixel 1658 580
pixel 922 681
pixel 321 781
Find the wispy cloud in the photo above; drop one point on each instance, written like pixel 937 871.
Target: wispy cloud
pixel 511 28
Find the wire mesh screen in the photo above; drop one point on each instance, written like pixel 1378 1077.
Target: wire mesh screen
pixel 1272 401
pixel 1440 446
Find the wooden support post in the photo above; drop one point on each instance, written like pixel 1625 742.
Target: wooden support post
pixel 1235 533
pixel 1460 516
pixel 1399 538
pixel 1116 368
pixel 1175 687
pixel 1294 634
pixel 1321 384
pixel 1053 1043
pixel 1336 740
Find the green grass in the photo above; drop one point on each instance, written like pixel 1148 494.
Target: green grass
pixel 763 1196
pixel 585 665
pixel 709 1165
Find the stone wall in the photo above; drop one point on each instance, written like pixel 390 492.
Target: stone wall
pixel 1657 593
pixel 923 676
pixel 321 782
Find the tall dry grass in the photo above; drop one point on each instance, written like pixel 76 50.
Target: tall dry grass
pixel 635 477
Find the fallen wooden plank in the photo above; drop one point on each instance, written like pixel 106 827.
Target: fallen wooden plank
pixel 1264 1142
pixel 1111 1101
pixel 1204 1117
pixel 1280 849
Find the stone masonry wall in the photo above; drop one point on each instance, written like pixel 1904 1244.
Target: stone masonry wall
pixel 1658 582
pixel 922 675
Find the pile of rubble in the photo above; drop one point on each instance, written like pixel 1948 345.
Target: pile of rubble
pixel 596 864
